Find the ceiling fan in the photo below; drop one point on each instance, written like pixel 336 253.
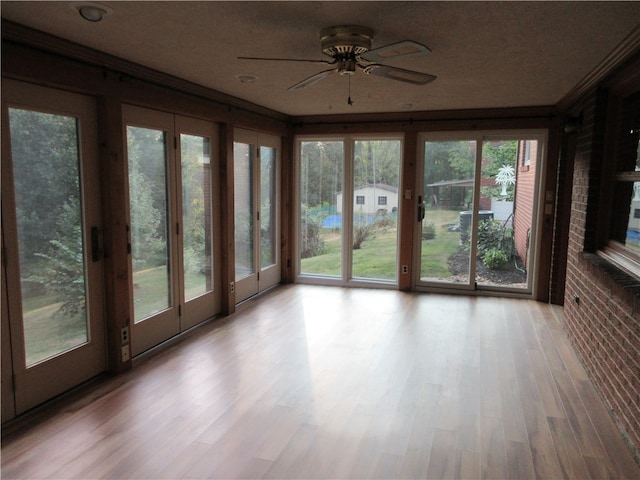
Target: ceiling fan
pixel 349 46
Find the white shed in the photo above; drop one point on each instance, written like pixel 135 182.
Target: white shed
pixel 372 199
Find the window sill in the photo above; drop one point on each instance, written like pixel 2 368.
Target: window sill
pixel 619 256
pixel 615 278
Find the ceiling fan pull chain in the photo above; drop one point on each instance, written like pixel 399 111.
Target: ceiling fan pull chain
pixel 349 101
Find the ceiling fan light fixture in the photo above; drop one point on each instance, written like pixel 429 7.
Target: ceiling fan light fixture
pixel 347 66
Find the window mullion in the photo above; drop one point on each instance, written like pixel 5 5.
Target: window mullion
pixel 347 208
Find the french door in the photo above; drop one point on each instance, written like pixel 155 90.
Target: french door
pixel 256 167
pixel 173 210
pixel 478 197
pixel 52 314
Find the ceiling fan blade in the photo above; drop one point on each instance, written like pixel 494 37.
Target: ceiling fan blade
pixel 328 62
pixel 313 79
pixel 401 74
pixel 405 48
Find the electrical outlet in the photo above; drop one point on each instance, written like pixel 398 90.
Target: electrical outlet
pixel 124 335
pixel 125 353
pixel 405 269
pixel 232 287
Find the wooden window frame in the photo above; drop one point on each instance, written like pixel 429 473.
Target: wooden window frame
pixel 620 89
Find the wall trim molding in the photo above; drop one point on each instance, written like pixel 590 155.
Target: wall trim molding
pixel 626 49
pixel 36 39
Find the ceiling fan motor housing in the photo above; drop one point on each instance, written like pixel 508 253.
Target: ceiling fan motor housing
pixel 347 40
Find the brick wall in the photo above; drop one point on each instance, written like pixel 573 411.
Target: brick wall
pixel 602 304
pixel 525 193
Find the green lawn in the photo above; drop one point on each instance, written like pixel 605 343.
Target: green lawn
pixel 328 263
pixel 49 331
pixel 436 251
pixel 151 290
pixel 377 258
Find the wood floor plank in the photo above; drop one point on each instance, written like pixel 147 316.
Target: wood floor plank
pixel 470 467
pixel 493 454
pixel 581 425
pixel 569 454
pixel 519 460
pixel 443 461
pixel 323 382
pixel 617 451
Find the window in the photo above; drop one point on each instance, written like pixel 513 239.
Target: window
pixel 359 199
pixel 623 243
pixel 382 200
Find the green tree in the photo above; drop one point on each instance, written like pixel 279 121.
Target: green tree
pixel 44 150
pixel 147 196
pixel 322 167
pixel 376 161
pixel 46 175
pixel 195 172
pixel 448 161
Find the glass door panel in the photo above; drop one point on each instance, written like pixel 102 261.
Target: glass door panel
pixel 268 212
pixel 154 227
pixel 149 207
pixel 197 252
pixel 244 209
pixel 50 201
pixel 321 224
pixel 446 229
pixel 50 233
pixel 506 212
pixel 376 165
pixel 197 235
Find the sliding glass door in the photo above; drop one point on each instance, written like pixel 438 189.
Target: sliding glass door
pixel 348 209
pixel 478 197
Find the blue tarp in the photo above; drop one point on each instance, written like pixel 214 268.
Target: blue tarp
pixel 332 221
pixel 335 221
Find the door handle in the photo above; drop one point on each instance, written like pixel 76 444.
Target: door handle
pixel 420 209
pixel 96 251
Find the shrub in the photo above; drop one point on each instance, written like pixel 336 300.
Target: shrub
pixel 312 242
pixel 495 258
pixel 362 230
pixel 429 231
pixel 386 222
pixel 492 235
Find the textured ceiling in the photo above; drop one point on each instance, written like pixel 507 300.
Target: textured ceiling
pixel 485 54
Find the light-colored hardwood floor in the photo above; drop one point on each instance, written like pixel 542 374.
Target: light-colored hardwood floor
pixel 324 382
